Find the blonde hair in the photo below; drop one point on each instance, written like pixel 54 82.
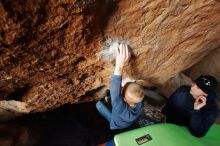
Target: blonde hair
pixel 133 89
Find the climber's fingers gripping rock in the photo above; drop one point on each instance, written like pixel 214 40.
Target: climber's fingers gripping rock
pixel 122 55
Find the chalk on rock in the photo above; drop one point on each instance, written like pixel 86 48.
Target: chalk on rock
pixel 113 47
pixel 109 49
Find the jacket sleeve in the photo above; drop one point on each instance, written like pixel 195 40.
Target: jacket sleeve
pixel 115 90
pixel 201 122
pixel 169 103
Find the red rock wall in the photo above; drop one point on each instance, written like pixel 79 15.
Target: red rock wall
pixel 166 36
pixel 49 50
pixel 208 65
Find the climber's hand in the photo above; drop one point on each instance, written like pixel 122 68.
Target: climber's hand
pixel 122 56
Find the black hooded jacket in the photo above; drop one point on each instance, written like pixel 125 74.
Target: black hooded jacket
pixel 180 110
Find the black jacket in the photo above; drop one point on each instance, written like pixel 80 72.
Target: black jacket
pixel 180 110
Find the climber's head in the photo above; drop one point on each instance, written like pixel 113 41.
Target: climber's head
pixel 133 93
pixel 203 86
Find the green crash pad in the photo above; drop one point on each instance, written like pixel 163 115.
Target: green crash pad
pixel 167 135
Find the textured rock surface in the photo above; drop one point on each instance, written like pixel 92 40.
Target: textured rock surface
pixel 11 109
pixel 49 50
pixel 208 65
pixel 166 36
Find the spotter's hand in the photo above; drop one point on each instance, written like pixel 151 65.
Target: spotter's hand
pixel 199 102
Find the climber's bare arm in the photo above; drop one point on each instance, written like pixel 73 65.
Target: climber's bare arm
pixel 122 56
